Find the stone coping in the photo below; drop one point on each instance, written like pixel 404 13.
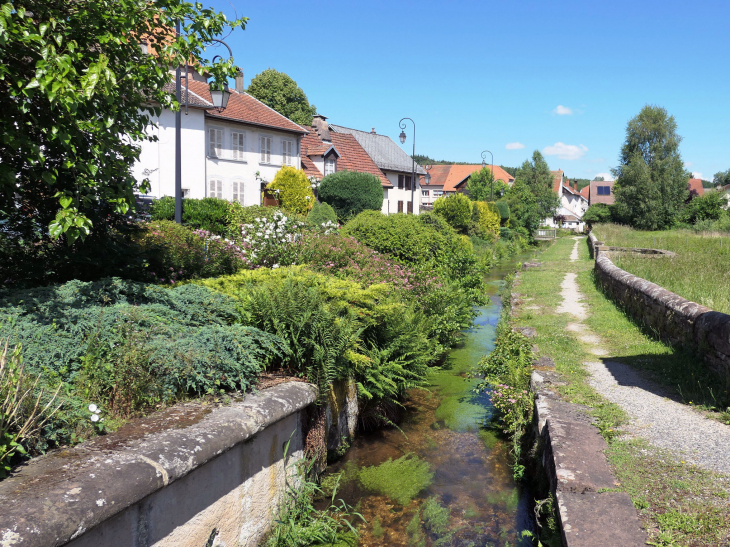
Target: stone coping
pixel 57 497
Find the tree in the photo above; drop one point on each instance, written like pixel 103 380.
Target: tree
pixel 721 178
pixel 77 92
pixel 278 91
pixel 597 213
pixel 651 184
pixel 455 209
pixel 523 207
pixel 293 190
pixel 601 179
pixel 537 177
pixel 482 183
pixel 707 207
pixel 350 193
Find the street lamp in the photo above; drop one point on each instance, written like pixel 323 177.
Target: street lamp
pixel 402 137
pixel 219 97
pixel 484 159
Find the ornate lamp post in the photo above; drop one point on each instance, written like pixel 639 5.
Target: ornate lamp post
pixel 219 97
pixel 484 159
pixel 402 137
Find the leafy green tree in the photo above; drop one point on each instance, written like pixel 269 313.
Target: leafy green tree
pixel 456 209
pixel 721 178
pixel 523 207
pixel 536 176
pixel 707 207
pixel 482 183
pixel 651 185
pixel 597 213
pixel 77 93
pixel 598 178
pixel 279 91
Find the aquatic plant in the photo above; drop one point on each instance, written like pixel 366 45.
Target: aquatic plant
pixel 435 517
pixel 401 480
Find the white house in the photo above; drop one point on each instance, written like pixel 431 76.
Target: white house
pixel 396 165
pixel 222 152
pixel 573 204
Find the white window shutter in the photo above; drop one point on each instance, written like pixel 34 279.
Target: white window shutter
pixel 219 185
pixel 211 142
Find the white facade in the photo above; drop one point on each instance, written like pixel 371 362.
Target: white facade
pixel 576 203
pixel 219 158
pixel 394 195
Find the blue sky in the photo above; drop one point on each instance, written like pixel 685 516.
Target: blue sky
pixel 563 77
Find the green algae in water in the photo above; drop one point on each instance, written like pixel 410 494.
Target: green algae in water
pixel 401 480
pixel 456 410
pixel 509 498
pixel 489 438
pixel 435 517
pixel 377 529
pixel 348 473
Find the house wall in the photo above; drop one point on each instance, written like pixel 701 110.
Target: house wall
pixel 229 170
pixel 159 157
pixel 595 198
pixel 575 203
pixel 395 194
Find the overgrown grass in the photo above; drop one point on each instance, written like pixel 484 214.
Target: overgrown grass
pixel 700 272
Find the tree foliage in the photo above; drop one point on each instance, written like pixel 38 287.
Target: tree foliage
pixel 486 219
pixel 454 209
pixel 481 185
pixel 350 193
pixel 707 207
pixel 721 178
pixel 523 207
pixel 597 213
pixel 279 91
pixel 76 98
pixel 651 184
pixel 538 178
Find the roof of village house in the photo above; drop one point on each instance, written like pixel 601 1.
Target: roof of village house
pixel 352 156
pixel 384 152
pixel 567 214
pixel 242 107
pixel 557 180
pixel 586 191
pixel 452 176
pixel 194 99
pixel 696 184
pixel 572 190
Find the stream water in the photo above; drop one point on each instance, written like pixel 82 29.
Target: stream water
pixel 472 499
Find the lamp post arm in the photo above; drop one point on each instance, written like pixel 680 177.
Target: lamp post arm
pixel 402 126
pixel 484 157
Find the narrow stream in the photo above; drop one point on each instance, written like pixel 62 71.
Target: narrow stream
pixel 472 499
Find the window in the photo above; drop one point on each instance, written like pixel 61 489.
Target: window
pixel 400 182
pixel 604 190
pixel 424 193
pixel 410 207
pixel 286 155
pixel 238 145
pixel 438 193
pixel 408 182
pixel 265 143
pixel 185 192
pixel 330 166
pixel 238 192
pixel 400 204
pixel 215 188
pixel 215 142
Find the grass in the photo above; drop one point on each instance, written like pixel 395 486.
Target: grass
pixel 679 504
pixel 700 272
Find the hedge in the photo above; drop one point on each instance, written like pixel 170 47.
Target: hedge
pixel 350 193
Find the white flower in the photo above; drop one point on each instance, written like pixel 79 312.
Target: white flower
pixel 93 408
pixel 94 417
pixel 274 266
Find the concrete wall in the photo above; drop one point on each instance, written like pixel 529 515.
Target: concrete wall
pixel 390 204
pixel 220 477
pixel 676 320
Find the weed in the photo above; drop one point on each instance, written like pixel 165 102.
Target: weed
pixel 401 480
pixel 435 517
pixel 377 530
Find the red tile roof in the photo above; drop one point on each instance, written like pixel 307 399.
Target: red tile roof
pixel 557 180
pixel 452 177
pixel 242 107
pixel 696 184
pixel 585 192
pixel 352 156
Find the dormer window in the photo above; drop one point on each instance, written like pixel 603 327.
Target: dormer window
pixel 330 166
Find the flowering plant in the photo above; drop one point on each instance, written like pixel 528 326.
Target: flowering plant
pixel 512 404
pixel 272 242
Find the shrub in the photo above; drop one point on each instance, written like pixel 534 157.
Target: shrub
pixel 596 213
pixel 130 346
pixel 239 215
pixel 503 207
pixel 707 207
pixel 320 214
pixel 485 220
pixel 455 209
pixel 174 252
pixel 199 214
pixel 273 241
pixel 293 190
pixel 350 193
pixel 423 242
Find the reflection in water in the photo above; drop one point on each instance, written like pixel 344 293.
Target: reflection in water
pixel 472 499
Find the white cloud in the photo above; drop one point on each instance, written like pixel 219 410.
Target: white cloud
pixel 561 110
pixel 514 145
pixel 696 175
pixel 606 176
pixel 688 164
pixel 565 151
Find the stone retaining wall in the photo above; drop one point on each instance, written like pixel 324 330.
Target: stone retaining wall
pixel 675 319
pixel 188 476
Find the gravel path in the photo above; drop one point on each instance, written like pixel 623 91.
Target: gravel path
pixel 663 422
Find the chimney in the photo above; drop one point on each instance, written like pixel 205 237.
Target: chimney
pixel 320 125
pixel 239 81
pixel 373 131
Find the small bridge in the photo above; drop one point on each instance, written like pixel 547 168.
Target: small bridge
pixel 546 234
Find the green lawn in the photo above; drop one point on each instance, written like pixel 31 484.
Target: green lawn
pixel 700 272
